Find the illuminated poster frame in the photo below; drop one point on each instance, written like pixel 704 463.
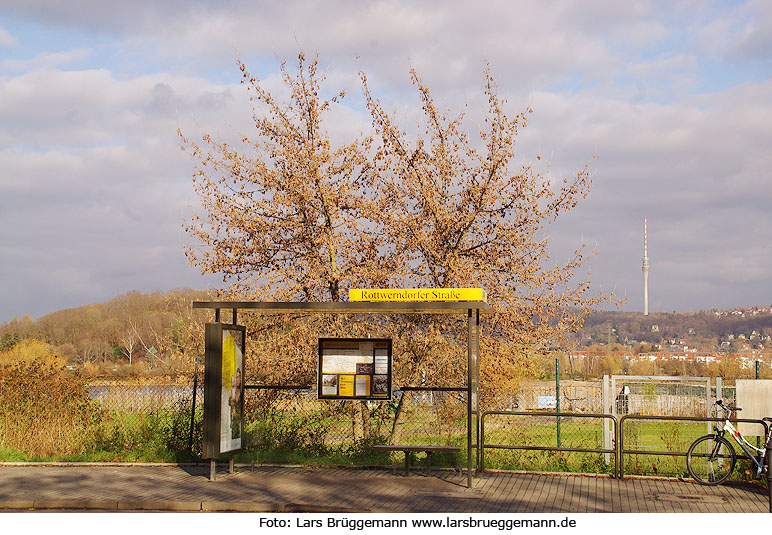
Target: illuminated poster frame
pixel 354 368
pixel 223 389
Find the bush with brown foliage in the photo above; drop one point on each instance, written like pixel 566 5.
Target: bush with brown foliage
pixel 44 409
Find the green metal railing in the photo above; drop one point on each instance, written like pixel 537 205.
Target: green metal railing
pixel 618 449
pixel 668 453
pixel 558 435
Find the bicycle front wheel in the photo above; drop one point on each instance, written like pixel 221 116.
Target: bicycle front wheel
pixel 711 459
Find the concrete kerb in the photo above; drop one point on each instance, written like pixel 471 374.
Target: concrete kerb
pixel 68 464
pixel 241 507
pixel 17 504
pixel 309 508
pixel 104 505
pixel 222 468
pixel 157 505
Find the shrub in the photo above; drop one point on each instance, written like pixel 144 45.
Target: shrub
pixel 44 409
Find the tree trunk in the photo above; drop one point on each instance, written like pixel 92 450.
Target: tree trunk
pixel 361 421
pixel 396 428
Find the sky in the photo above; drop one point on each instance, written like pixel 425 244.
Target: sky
pixel 669 103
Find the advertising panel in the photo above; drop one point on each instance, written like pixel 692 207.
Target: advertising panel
pixel 223 389
pixel 354 368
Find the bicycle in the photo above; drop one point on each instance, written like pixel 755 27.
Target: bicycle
pixel 711 458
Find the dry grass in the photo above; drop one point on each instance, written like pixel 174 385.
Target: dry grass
pixel 44 409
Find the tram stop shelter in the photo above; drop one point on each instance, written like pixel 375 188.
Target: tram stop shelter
pixel 471 309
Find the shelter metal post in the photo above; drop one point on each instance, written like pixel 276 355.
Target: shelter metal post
pixel 469 401
pixel 473 378
pixel 476 406
pixel 557 395
pixel 193 405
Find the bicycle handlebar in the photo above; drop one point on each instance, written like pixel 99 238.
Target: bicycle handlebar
pixel 729 408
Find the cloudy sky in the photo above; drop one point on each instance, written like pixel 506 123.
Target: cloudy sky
pixel 673 97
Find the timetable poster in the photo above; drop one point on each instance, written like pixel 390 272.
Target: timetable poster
pixel 231 401
pixel 354 368
pixel 223 389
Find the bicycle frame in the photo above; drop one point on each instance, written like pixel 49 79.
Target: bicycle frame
pixel 744 444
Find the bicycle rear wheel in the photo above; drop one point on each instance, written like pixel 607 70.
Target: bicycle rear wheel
pixel 711 459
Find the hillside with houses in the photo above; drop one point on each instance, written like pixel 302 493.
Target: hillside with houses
pixel 724 331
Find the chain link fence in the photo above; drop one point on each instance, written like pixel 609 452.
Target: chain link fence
pixel 289 425
pixel 574 396
pixel 548 441
pixel 141 397
pixel 158 420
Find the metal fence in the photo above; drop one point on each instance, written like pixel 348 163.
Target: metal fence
pixel 575 396
pixel 280 421
pixel 574 442
pixel 658 395
pixel 547 441
pixel 658 444
pixel 142 397
pixel 290 424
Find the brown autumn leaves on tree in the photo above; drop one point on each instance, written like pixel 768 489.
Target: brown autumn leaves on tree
pixel 291 216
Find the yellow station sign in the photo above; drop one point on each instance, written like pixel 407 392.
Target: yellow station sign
pixel 418 294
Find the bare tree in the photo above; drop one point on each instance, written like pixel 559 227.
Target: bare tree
pixel 288 216
pixel 129 343
pixel 459 213
pixel 283 214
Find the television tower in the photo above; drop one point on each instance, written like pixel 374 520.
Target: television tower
pixel 645 269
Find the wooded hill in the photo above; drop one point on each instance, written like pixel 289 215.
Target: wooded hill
pixel 131 334
pixel 138 333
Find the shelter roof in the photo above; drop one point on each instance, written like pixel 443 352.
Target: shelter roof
pixel 351 307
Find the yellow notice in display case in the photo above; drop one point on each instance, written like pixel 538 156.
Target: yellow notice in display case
pixel 418 294
pixel 346 385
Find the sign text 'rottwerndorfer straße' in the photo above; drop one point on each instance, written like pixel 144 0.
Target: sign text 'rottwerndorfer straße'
pixel 418 294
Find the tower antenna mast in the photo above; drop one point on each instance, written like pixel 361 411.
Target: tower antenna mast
pixel 645 268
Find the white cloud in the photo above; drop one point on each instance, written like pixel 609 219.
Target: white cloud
pixel 92 107
pixel 93 169
pixel 699 169
pixel 6 39
pixel 93 154
pixel 737 34
pixel 46 60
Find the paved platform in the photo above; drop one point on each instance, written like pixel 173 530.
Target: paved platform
pixel 281 489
